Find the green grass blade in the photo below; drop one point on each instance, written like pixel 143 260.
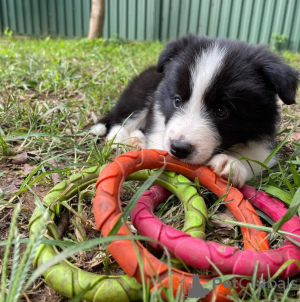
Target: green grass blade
pixel 4 146
pixel 75 248
pixel 280 145
pixel 261 228
pixel 25 136
pixel 284 266
pixel 295 175
pixel 280 194
pixel 15 261
pixel 13 227
pixel 44 241
pixel 83 291
pixel 27 258
pixel 294 206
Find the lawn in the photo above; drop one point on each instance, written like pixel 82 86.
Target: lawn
pixel 51 92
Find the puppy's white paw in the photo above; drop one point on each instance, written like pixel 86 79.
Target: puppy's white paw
pixel 221 164
pixel 121 135
pixel 118 135
pixel 137 139
pixel 98 129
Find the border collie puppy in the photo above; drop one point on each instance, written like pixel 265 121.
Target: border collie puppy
pixel 207 102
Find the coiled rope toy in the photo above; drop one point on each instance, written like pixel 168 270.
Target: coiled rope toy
pixel 107 210
pixel 70 281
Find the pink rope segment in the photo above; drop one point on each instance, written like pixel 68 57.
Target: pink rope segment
pixel 229 260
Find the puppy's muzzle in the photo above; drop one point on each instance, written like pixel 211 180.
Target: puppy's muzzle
pixel 181 149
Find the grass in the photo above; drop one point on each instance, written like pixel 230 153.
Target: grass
pixel 50 92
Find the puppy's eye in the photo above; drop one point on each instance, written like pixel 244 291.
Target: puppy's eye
pixel 222 112
pixel 177 102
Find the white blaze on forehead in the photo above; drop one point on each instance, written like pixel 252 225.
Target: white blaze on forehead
pixel 190 123
pixel 206 67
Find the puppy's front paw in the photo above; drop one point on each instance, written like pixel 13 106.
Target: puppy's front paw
pixel 98 129
pixel 117 135
pixel 121 135
pixel 221 164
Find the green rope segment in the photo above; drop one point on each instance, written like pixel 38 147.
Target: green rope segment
pixel 70 281
pixel 193 204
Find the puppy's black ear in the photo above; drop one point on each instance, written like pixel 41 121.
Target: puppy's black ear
pixel 283 79
pixel 172 49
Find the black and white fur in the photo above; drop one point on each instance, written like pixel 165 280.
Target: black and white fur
pixel 208 101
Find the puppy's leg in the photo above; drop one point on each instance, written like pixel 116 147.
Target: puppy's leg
pixel 104 124
pixel 125 121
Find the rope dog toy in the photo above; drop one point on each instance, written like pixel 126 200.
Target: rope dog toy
pixel 238 261
pixel 69 280
pixel 107 210
pixel 64 277
pixel 150 200
pixel 275 208
pixel 194 205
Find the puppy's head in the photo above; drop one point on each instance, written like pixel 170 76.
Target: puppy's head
pixel 217 93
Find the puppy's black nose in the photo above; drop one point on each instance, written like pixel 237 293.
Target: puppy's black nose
pixel 181 149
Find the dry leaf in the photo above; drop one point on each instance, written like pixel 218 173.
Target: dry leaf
pixel 35 154
pixel 21 159
pixel 27 169
pixel 55 176
pixel 9 188
pixel 224 215
pixel 94 117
